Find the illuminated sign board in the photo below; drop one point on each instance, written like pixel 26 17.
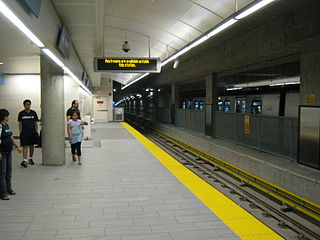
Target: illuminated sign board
pixel 127 65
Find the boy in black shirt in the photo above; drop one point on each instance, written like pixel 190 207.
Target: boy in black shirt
pixel 28 126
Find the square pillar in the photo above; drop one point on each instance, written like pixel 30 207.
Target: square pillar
pixel 53 119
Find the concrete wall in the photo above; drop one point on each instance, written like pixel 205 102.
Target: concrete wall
pixel 20 87
pixel 17 88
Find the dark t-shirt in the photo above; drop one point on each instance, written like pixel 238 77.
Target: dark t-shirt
pixel 71 110
pixel 6 144
pixel 28 120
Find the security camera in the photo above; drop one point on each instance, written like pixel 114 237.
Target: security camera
pixel 126 46
pixel 176 63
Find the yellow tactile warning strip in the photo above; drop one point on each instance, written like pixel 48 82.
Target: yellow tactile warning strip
pixel 236 218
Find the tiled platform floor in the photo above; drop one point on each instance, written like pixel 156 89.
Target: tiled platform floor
pixel 121 192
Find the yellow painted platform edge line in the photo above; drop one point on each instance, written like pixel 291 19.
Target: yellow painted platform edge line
pixel 170 163
pixel 243 171
pixel 224 165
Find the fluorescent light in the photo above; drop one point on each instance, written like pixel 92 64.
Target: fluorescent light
pixel 254 8
pixel 213 32
pixel 85 91
pixel 168 60
pixel 198 42
pixel 137 79
pixel 23 28
pixel 289 83
pixel 182 51
pixel 71 74
pixel 283 83
pixel 53 57
pixel 222 27
pixel 234 88
pixel 19 24
pixel 1 63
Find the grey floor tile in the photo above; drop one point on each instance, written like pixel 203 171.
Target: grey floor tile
pixel 89 232
pixel 120 193
pixel 127 230
pixel 147 236
pixel 173 227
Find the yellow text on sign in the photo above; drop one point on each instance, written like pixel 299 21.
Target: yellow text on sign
pixel 127 63
pixel 310 99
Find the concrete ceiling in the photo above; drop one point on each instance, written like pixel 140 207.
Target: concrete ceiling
pixel 99 27
pixel 17 52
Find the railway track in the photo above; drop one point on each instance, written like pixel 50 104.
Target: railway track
pixel 284 219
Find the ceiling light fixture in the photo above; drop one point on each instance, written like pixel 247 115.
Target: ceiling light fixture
pixel 19 24
pixel 136 80
pixel 1 63
pixel 283 84
pixel 66 69
pixel 234 88
pixel 222 27
pixel 71 74
pixel 53 57
pixel 23 28
pixel 253 9
pixel 211 33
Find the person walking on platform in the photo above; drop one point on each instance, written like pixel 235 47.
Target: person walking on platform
pixel 75 136
pixel 28 126
pixel 6 144
pixel 74 107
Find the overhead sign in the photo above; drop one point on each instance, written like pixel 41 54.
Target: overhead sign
pixel 127 65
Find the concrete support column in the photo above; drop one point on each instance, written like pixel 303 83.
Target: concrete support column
pixel 310 78
pixel 173 102
pixel 52 113
pixel 137 106
pixel 155 104
pixel 145 104
pixel 210 102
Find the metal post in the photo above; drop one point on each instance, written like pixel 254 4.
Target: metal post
pixel 149 46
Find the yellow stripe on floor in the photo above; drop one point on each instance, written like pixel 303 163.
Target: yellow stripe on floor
pixel 236 218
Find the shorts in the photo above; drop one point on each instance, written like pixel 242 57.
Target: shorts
pixel 28 140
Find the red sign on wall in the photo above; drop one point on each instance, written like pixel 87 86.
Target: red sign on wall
pixel 100 102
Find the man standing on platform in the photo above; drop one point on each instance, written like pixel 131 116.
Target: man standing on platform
pixel 74 107
pixel 28 126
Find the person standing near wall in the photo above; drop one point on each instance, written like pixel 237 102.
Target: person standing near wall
pixel 74 107
pixel 28 126
pixel 6 144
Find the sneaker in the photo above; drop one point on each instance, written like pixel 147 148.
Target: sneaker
pixel 24 164
pixel 31 162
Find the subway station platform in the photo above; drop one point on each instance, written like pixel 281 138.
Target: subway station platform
pixel 282 172
pixel 127 188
